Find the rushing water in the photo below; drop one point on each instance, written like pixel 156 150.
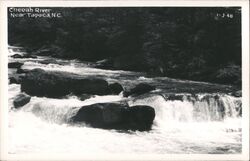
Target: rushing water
pixel 200 122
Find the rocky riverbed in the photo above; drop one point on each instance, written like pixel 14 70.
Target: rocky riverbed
pixel 116 111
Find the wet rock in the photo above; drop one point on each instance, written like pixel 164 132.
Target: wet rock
pixel 29 56
pixel 83 97
pixel 237 93
pixel 216 97
pixel 15 65
pixel 23 56
pixel 221 110
pixel 53 84
pixel 238 107
pixel 101 114
pixel 21 71
pixel 15 79
pixel 240 112
pixel 16 56
pixel 21 100
pixel 115 88
pixel 174 97
pixel 116 115
pixel 140 117
pixel 139 89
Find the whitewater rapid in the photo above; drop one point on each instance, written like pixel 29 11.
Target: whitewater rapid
pixel 203 123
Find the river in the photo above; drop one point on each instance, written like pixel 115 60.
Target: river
pixel 207 120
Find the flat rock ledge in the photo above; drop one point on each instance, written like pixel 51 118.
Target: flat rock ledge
pixel 39 82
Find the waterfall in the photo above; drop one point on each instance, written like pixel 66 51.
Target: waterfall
pixel 198 108
pixel 190 108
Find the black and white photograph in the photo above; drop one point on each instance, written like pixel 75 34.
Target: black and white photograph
pixel 132 80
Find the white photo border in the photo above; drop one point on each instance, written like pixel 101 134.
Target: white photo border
pixel 4 155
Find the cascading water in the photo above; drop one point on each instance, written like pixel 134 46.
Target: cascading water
pixel 197 123
pixel 201 108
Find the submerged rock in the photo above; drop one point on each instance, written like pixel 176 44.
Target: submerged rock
pixel 115 88
pixel 38 82
pixel 21 100
pixel 15 65
pixel 116 116
pixel 139 89
pixel 20 71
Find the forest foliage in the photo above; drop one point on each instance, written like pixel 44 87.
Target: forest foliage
pixel 202 43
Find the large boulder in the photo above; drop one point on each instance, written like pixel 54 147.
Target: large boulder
pixel 15 65
pixel 116 115
pixel 139 89
pixel 140 117
pixel 21 100
pixel 115 88
pixel 53 84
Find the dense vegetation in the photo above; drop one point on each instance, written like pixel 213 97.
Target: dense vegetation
pixel 188 43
